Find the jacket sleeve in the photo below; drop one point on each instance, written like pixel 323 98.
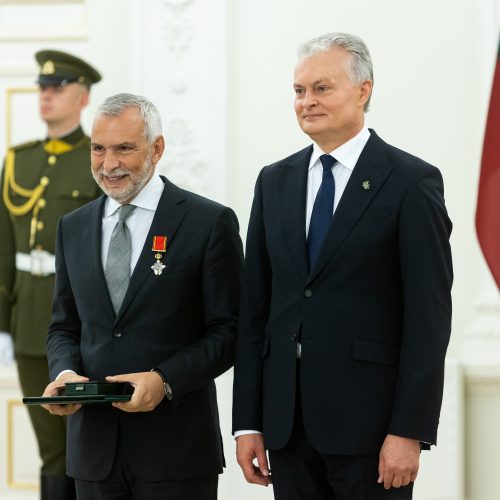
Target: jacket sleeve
pixel 7 262
pixel 202 361
pixel 254 312
pixel 426 270
pixel 63 340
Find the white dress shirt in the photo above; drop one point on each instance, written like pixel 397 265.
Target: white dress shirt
pixel 347 156
pixel 138 222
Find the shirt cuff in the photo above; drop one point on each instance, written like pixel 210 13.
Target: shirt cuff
pixel 65 371
pixel 237 434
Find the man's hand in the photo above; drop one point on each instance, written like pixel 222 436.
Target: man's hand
pixel 398 461
pixel 248 448
pixel 53 390
pixel 148 391
pixel 6 349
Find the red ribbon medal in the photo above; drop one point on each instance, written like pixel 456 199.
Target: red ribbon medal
pixel 160 247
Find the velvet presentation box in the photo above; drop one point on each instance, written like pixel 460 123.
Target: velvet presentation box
pixel 85 393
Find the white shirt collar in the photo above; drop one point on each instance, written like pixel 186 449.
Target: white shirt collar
pixel 348 153
pixel 148 197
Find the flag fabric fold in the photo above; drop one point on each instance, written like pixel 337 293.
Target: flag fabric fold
pixel 488 200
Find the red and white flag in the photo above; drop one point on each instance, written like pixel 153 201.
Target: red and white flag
pixel 488 200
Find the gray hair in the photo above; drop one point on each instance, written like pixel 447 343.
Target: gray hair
pixel 360 66
pixel 118 103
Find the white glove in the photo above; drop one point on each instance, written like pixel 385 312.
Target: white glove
pixel 6 349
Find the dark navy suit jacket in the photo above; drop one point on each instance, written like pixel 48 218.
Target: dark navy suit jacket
pixel 182 322
pixel 373 315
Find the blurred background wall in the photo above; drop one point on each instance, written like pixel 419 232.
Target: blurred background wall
pixel 220 72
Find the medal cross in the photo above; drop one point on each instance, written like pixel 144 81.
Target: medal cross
pixel 158 267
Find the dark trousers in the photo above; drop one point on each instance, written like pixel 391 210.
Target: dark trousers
pixel 300 472
pixel 50 430
pixel 122 484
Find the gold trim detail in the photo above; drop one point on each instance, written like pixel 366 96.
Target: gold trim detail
pixel 33 195
pixel 11 483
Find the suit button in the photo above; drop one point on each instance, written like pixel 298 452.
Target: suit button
pixel 293 336
pixel 308 293
pixel 117 334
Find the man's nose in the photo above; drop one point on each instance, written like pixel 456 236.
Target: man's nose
pixel 309 100
pixel 110 161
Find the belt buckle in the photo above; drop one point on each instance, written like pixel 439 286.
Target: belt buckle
pixel 37 258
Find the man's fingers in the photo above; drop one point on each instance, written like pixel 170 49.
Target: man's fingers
pixel 388 479
pixel 263 464
pixel 397 481
pixel 399 461
pixel 62 410
pixel 250 447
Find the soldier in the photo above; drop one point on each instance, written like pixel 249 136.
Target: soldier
pixel 41 181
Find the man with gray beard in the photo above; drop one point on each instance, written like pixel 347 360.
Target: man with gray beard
pixel 147 291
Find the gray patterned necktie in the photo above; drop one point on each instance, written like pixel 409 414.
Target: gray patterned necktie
pixel 117 271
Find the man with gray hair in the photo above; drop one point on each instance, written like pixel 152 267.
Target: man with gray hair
pixel 147 291
pixel 345 315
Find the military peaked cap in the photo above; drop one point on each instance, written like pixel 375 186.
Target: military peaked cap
pixel 61 68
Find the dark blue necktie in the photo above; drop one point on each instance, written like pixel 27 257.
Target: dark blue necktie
pixel 322 211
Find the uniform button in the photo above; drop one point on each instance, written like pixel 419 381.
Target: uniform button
pixel 38 247
pixel 117 334
pixel 75 193
pixel 308 293
pixel 44 181
pixel 293 336
pixel 52 160
pixel 40 225
pixel 42 202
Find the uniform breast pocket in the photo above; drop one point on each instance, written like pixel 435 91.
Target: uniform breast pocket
pixel 72 197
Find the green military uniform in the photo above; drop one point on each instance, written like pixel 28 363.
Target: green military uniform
pixel 40 181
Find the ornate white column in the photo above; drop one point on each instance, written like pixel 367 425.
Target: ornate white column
pixel 179 53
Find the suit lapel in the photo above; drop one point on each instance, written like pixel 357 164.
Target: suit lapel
pixel 92 236
pixel 292 197
pixel 372 167
pixel 169 214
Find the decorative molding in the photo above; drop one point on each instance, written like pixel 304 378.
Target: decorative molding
pixel 487 326
pixel 9 93
pixel 185 160
pixel 178 27
pixel 11 482
pixel 488 301
pixel 178 33
pixel 23 71
pixel 176 4
pixel 49 36
pixel 43 21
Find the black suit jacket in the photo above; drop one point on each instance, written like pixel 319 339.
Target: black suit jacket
pixel 373 314
pixel 182 322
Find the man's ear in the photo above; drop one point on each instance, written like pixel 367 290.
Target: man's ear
pixel 158 148
pixel 84 98
pixel 365 91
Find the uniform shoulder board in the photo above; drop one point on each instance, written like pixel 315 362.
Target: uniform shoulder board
pixel 25 145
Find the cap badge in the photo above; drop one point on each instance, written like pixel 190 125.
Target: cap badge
pixel 48 68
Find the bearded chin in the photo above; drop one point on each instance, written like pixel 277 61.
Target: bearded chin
pixel 134 186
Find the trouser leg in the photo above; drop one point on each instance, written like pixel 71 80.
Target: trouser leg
pixel 50 430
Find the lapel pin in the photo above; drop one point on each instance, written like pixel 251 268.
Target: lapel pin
pixel 366 185
pixel 160 247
